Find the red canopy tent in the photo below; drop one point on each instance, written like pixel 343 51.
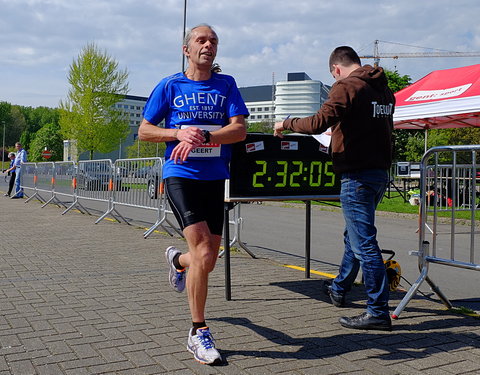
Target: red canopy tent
pixel 442 99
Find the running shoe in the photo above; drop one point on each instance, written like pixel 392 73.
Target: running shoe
pixel 202 346
pixel 176 277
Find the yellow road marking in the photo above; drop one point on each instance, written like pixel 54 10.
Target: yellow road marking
pixel 311 271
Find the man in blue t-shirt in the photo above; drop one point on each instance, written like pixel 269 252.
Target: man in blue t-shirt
pixel 204 114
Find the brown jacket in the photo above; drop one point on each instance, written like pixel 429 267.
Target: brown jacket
pixel 359 109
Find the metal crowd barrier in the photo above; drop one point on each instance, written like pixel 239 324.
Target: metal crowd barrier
pixel 45 181
pixel 65 181
pixel 127 182
pixel 28 179
pixel 141 187
pixel 450 182
pixel 95 181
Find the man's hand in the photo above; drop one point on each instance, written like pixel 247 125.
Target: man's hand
pixel 278 129
pixel 181 151
pixel 191 135
pixel 190 138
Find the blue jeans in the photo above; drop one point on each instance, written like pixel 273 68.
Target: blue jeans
pixel 360 194
pixel 18 180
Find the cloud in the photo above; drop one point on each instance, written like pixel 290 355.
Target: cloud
pixel 259 40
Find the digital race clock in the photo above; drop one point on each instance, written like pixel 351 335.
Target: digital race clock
pixel 265 167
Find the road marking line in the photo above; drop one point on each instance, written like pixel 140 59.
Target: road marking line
pixel 311 271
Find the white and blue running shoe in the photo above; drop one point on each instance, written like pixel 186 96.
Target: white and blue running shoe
pixel 202 346
pixel 176 277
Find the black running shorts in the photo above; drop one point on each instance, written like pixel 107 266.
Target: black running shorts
pixel 194 201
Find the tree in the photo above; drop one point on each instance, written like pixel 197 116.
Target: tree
pixel 396 82
pixel 35 119
pixel 464 136
pixel 48 136
pixel 142 149
pixel 17 125
pixel 260 127
pixel 88 115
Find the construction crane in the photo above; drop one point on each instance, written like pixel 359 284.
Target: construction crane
pixel 439 53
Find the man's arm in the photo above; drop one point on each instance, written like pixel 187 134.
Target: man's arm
pixel 152 133
pixel 329 114
pixel 235 131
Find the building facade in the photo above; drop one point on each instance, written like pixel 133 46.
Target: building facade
pixel 298 96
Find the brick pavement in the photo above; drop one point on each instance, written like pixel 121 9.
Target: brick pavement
pixel 79 298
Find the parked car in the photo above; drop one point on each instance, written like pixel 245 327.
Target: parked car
pixel 154 179
pixel 122 171
pixel 141 172
pixel 96 176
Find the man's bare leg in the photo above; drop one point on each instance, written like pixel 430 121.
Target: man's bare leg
pixel 200 260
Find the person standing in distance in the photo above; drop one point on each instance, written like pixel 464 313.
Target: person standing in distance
pixel 359 110
pixel 11 172
pixel 20 158
pixel 204 113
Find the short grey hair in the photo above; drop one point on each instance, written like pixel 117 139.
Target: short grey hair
pixel 11 154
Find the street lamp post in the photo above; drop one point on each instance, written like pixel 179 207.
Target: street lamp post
pixel 184 31
pixel 3 144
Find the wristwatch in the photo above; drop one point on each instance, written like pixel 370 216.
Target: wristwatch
pixel 206 134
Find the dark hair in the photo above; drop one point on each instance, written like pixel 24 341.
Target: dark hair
pixel 343 55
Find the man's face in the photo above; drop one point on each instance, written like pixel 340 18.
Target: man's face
pixel 18 147
pixel 202 47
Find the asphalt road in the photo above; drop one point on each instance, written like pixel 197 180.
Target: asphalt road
pixel 276 230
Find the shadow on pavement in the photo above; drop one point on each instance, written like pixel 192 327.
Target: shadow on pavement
pixel 390 345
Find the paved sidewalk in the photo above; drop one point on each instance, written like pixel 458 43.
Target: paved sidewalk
pixel 79 298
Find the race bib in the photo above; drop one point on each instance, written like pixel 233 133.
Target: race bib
pixel 206 150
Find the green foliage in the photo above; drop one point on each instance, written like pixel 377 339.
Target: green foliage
pixel 48 136
pixel 15 126
pixel 415 148
pixel 88 115
pixel 464 136
pixel 142 149
pixel 7 119
pixel 401 137
pixel 260 127
pixel 396 82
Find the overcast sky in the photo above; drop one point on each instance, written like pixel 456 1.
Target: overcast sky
pixel 39 39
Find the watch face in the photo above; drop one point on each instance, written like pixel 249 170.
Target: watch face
pixel 274 168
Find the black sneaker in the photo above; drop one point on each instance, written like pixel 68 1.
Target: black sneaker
pixel 338 300
pixel 367 321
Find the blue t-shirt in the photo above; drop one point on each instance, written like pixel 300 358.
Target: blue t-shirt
pixel 209 104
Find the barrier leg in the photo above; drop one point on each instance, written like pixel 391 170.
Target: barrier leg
pixel 33 196
pixel 411 292
pixel 423 267
pixel 76 203
pixel 110 212
pixel 55 200
pixel 162 218
pixel 237 222
pixel 439 293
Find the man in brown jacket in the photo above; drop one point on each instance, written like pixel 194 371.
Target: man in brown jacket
pixel 359 110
